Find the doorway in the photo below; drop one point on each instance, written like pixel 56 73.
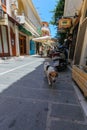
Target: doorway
pixel 13 45
pixel 22 44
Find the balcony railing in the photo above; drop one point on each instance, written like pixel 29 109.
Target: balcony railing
pixel 20 19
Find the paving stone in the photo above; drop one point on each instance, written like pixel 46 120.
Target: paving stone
pixel 22 115
pixel 67 112
pixel 63 125
pixel 41 94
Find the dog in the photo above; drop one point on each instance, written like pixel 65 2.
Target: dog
pixel 50 73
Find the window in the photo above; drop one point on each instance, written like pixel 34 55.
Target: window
pixel 3 2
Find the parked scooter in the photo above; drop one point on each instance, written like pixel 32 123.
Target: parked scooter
pixel 60 59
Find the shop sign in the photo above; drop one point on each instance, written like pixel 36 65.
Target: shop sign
pixel 65 23
pixel 61 30
pixel 4 21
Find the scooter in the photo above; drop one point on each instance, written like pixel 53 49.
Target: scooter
pixel 60 60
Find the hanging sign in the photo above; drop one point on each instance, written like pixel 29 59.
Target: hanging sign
pixel 65 23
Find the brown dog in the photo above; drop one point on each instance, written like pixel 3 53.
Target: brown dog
pixel 50 73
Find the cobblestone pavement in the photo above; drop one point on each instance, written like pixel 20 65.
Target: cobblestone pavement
pixel 28 103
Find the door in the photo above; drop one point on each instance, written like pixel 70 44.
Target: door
pixel 22 45
pixel 13 45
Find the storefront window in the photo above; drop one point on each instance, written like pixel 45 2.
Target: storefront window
pixel 3 2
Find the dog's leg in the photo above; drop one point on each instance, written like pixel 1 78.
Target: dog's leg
pixel 49 82
pixel 48 79
pixel 45 73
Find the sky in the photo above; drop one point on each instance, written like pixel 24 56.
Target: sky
pixel 43 8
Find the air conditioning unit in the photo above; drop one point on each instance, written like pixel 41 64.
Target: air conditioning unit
pixel 20 19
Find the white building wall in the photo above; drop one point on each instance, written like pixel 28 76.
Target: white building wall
pixel 83 59
pixel 15 28
pixel 84 50
pixel 34 23
pixel 17 41
pixel 32 17
pixel 8 6
pixel 72 6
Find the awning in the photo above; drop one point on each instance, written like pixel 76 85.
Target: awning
pixel 46 40
pixel 42 39
pixel 22 29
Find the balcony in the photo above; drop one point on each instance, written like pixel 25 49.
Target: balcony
pixel 45 31
pixel 20 19
pixel 4 20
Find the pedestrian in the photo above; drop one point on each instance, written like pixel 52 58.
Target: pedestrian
pixel 68 42
pixel 67 45
pixel 48 51
pixel 41 50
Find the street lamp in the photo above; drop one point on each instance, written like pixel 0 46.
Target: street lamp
pixel 1 13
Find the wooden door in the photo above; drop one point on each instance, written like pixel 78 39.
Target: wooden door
pixel 22 42
pixel 13 45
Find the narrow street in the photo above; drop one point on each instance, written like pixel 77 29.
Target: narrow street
pixel 28 103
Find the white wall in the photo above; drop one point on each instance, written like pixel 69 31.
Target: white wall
pixel 8 6
pixel 84 50
pixel 17 41
pixel 32 17
pixel 71 6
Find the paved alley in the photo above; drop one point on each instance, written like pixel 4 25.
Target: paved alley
pixel 28 103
